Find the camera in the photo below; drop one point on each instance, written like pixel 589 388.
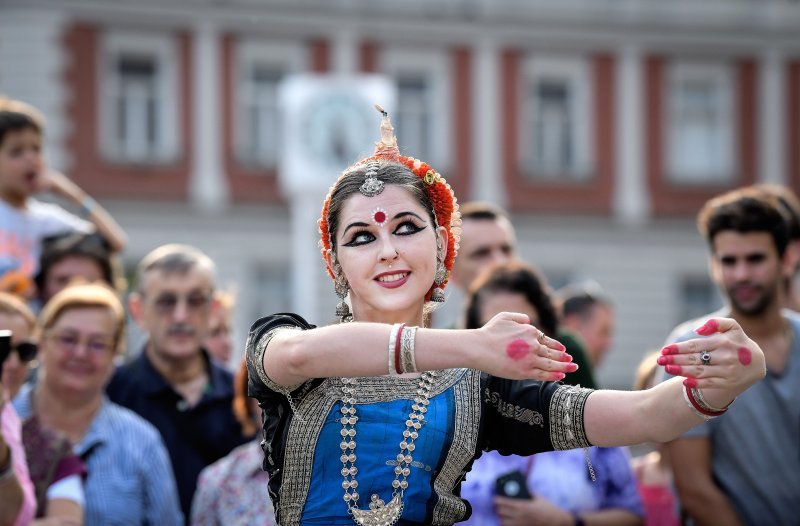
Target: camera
pixel 512 485
pixel 5 348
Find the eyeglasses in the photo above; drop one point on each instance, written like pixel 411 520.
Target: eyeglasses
pixel 25 350
pixel 167 303
pixel 69 342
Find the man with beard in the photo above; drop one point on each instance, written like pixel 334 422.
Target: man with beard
pixel 744 468
pixel 173 383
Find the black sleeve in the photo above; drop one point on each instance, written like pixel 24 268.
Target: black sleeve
pixel 523 417
pixel 274 400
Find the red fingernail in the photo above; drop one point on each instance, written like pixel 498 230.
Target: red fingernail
pixel 561 346
pixel 709 327
pixel 691 383
pixel 567 357
pixel 664 360
pixel 572 367
pixel 558 376
pixel 670 349
pixel 673 369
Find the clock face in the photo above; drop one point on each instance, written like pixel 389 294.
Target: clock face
pixel 338 127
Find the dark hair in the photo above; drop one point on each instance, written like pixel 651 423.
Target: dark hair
pixel 578 299
pixel 92 246
pixel 17 116
pixel 517 278
pixel 481 210
pixel 789 203
pixel 745 210
pixel 389 172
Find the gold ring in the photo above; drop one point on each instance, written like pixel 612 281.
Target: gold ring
pixel 541 337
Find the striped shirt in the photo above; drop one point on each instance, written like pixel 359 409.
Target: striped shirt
pixel 130 480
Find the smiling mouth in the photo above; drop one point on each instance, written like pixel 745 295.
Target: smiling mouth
pixel 390 278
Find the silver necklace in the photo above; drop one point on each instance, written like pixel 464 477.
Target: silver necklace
pixel 380 513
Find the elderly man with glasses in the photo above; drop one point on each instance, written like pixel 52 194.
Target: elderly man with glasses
pixel 173 383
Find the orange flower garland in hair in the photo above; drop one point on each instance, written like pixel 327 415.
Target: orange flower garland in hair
pixel 440 193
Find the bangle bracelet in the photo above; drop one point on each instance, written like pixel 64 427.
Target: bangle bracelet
pixel 698 396
pixel 393 361
pixel 408 360
pixel 702 412
pixel 87 206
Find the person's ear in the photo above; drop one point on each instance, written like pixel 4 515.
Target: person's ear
pixel 136 308
pixel 790 259
pixel 330 260
pixel 441 243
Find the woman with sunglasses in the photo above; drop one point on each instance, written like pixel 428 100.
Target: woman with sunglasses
pixel 130 479
pixel 55 471
pixel 376 422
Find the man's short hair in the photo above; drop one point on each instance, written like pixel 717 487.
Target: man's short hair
pixel 171 258
pixel 481 210
pixel 745 210
pixel 789 203
pixel 577 299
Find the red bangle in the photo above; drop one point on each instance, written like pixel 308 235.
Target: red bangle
pixel 700 408
pixel 397 348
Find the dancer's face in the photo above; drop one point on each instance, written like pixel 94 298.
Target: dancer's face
pixel 387 247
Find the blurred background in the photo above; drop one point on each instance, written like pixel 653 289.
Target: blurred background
pixel 602 126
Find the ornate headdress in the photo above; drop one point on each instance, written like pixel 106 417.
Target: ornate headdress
pixel 445 207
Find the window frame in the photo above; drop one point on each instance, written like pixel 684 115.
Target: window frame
pixel 434 67
pixel 286 56
pixel 577 71
pixel 163 48
pixel 723 75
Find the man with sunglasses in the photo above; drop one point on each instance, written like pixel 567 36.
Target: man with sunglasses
pixel 173 383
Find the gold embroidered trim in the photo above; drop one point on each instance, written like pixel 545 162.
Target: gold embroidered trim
pixel 566 417
pixel 522 414
pixel 258 357
pixel 311 411
pixel 467 401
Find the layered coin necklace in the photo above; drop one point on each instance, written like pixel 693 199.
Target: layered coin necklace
pixel 380 513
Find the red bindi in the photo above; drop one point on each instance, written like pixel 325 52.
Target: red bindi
pixel 745 356
pixel 379 216
pixel 518 349
pixel 709 327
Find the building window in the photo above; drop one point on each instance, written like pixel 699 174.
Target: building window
pixel 700 123
pixel 422 115
pixel 414 115
pixel 261 66
pixel 260 113
pixel 557 119
pixel 699 296
pixel 138 111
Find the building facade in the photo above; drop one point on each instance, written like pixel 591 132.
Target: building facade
pixel 602 126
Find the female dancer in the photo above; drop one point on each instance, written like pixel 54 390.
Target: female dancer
pixel 376 422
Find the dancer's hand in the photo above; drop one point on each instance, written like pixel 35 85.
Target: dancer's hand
pixel 723 362
pixel 510 347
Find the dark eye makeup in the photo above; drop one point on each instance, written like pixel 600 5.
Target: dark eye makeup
pixel 362 237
